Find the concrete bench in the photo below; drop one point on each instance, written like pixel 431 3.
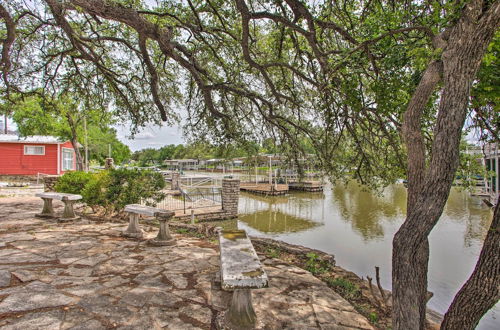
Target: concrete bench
pixel 241 271
pixel 67 199
pixel 134 210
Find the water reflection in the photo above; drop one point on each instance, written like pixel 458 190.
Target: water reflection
pixel 280 214
pixel 460 208
pixel 276 222
pixel 365 210
pixel 358 226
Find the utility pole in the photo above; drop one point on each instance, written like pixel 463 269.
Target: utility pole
pixel 86 145
pixel 5 123
pixel 270 169
pixel 109 150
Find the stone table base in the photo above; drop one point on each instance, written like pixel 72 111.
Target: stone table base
pixel 157 242
pixel 68 219
pixel 133 230
pixel 164 238
pixel 240 314
pixel 48 210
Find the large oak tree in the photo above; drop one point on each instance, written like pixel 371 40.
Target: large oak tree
pixel 379 88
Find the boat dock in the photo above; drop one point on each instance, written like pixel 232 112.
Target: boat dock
pixel 265 188
pixel 311 186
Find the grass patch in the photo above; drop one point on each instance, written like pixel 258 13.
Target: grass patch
pixel 373 317
pixel 348 289
pixel 273 253
pixel 316 265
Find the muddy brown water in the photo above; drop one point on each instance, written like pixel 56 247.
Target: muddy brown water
pixel 358 226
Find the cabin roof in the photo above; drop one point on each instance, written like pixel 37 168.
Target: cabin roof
pixel 44 139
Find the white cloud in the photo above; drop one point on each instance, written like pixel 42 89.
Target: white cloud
pixel 150 137
pixel 144 136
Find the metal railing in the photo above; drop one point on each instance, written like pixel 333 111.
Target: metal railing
pixel 191 198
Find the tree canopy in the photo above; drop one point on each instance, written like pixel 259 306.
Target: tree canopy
pixel 378 89
pixel 331 73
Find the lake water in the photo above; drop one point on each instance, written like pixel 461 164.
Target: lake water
pixel 357 227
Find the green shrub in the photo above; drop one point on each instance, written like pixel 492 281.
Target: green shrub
pixel 73 182
pixel 115 188
pixel 95 191
pixel 130 186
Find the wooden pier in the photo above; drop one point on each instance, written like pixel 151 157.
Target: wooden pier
pixel 265 188
pixel 311 186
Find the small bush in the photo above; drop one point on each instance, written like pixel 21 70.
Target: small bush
pixel 113 189
pixel 95 191
pixel 130 186
pixel 73 182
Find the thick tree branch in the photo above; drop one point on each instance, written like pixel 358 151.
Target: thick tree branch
pixel 7 43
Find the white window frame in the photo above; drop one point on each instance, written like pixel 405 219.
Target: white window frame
pixel 26 146
pixel 63 160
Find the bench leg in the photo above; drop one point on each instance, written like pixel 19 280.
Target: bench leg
pixel 241 314
pixel 69 212
pixel 164 238
pixel 133 229
pixel 48 210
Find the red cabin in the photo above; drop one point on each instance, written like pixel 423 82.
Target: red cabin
pixel 35 154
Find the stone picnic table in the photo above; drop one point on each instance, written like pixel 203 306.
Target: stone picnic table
pixel 84 275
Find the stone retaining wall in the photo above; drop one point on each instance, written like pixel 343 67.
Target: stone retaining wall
pixel 209 216
pixel 49 182
pixel 18 178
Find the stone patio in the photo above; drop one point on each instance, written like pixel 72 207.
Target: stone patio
pixel 85 276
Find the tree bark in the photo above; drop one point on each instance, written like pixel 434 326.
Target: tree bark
pixel 482 290
pixel 74 142
pixel 464 49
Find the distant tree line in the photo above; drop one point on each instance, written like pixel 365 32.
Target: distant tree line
pixel 199 150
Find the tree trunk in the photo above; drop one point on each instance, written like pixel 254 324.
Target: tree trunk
pixel 429 186
pixel 78 155
pixel 74 142
pixel 482 290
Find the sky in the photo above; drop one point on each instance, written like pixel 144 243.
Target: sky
pixel 150 137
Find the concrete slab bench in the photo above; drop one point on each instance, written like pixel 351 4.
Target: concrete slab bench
pixel 67 199
pixel 163 216
pixel 241 271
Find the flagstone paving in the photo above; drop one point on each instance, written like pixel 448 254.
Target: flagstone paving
pixel 83 275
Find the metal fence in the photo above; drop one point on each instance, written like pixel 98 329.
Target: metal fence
pixel 192 197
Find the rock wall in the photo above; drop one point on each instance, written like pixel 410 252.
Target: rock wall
pixel 18 178
pixel 209 216
pixel 49 182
